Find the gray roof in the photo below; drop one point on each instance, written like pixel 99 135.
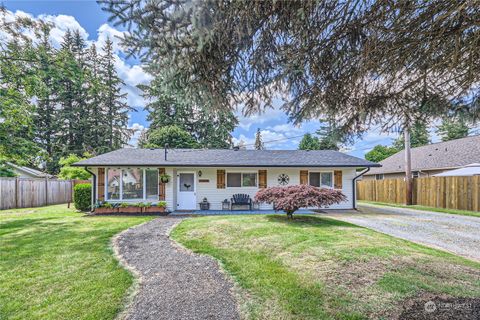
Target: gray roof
pixel 443 155
pixel 226 158
pixel 29 171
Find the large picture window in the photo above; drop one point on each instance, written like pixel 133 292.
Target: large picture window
pixel 321 179
pixel 132 184
pixel 237 179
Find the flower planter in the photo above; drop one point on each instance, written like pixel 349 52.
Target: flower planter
pixel 105 210
pixel 154 209
pixel 131 209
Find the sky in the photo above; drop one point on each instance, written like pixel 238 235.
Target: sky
pixel 86 15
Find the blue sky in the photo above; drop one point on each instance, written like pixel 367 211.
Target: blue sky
pixel 93 22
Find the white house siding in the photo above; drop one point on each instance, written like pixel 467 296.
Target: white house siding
pixel 216 196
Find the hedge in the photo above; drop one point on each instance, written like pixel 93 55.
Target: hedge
pixel 82 196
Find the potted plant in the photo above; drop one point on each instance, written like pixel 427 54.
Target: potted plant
pixel 104 207
pixel 164 178
pixel 152 208
pixel 129 208
pixel 162 206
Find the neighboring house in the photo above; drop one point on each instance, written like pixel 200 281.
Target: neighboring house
pixel 430 159
pixel 467 171
pixel 28 173
pixel 132 175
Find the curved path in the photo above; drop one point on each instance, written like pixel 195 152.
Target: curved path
pixel 174 283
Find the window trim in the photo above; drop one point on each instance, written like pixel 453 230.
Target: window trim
pixel 320 172
pixel 241 179
pixel 120 199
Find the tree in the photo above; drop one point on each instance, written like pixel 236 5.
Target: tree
pixel 68 172
pixel 419 136
pixel 309 142
pixel 453 128
pixel 173 136
pixel 379 153
pixel 292 198
pixel 258 141
pixel 329 136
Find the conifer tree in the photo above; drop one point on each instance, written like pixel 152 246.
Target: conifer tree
pixel 259 141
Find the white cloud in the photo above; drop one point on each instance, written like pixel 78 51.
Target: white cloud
pixel 138 128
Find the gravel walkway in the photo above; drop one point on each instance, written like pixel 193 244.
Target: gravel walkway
pixel 174 283
pixel 455 233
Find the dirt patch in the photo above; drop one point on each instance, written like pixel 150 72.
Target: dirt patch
pixel 440 307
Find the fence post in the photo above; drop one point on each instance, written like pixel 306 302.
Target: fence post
pixel 16 192
pixel 46 190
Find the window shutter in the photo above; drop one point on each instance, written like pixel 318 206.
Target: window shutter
pixel 101 184
pixel 303 176
pixel 262 179
pixel 220 179
pixel 161 185
pixel 337 179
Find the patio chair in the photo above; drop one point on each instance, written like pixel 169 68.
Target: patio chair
pixel 241 199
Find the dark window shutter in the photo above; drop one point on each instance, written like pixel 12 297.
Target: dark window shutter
pixel 101 184
pixel 220 179
pixel 303 176
pixel 262 179
pixel 161 185
pixel 337 179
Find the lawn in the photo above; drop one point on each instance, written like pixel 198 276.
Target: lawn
pixel 424 208
pixel 319 268
pixel 56 263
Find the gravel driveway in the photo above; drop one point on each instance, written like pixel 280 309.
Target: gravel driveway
pixel 455 233
pixel 174 283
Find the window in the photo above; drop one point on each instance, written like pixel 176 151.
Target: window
pixel 249 180
pixel 151 184
pixel 379 176
pixel 187 182
pixel 113 184
pixel 235 179
pixel 321 179
pixel 415 174
pixel 132 184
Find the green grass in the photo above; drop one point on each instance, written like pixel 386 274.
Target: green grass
pixel 424 208
pixel 320 268
pixel 58 264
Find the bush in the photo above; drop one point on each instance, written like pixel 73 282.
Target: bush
pixel 292 198
pixel 82 196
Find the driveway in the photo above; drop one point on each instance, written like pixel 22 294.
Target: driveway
pixel 454 233
pixel 174 282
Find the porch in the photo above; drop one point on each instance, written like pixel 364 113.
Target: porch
pixel 234 212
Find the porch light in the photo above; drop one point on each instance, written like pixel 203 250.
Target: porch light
pixel 199 173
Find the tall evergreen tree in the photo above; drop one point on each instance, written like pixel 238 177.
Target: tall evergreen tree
pixel 330 137
pixel 419 136
pixel 453 128
pixel 114 101
pixel 259 141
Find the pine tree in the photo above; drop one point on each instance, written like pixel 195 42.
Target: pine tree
pixel 330 137
pixel 115 107
pixel 453 128
pixel 258 141
pixel 419 136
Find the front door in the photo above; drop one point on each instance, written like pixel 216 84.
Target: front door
pixel 186 191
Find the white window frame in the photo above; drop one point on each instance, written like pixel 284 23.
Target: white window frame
pixel 379 176
pixel 121 185
pixel 241 179
pixel 320 172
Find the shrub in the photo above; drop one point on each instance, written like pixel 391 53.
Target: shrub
pixel 82 196
pixel 292 198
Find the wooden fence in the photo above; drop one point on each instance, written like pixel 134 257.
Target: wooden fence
pixel 26 193
pixel 462 193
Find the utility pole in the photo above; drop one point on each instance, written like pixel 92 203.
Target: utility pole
pixel 408 166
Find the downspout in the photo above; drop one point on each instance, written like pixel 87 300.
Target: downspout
pixel 354 186
pixel 94 187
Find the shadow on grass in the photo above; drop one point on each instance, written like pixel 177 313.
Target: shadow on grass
pixel 310 221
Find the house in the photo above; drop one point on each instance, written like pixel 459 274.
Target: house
pixel 135 175
pixel 467 171
pixel 430 159
pixel 23 172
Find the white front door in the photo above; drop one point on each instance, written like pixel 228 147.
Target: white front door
pixel 186 191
